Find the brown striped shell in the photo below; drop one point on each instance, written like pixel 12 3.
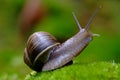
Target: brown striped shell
pixel 38 49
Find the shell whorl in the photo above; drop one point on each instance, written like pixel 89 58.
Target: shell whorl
pixel 37 51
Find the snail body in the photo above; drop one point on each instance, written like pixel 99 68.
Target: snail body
pixel 65 52
pixel 44 52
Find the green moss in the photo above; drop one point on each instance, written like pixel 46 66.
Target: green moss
pixel 77 71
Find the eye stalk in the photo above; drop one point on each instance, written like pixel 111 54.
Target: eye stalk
pixel 92 17
pixel 89 22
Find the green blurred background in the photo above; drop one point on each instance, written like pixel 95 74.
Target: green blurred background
pixel 58 20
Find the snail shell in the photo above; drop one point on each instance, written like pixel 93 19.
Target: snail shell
pixel 37 51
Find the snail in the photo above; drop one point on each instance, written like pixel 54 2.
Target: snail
pixel 44 53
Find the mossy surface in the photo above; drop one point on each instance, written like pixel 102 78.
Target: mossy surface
pixel 77 71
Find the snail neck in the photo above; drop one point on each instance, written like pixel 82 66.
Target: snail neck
pixel 65 52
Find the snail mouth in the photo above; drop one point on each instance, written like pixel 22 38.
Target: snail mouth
pixel 43 54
